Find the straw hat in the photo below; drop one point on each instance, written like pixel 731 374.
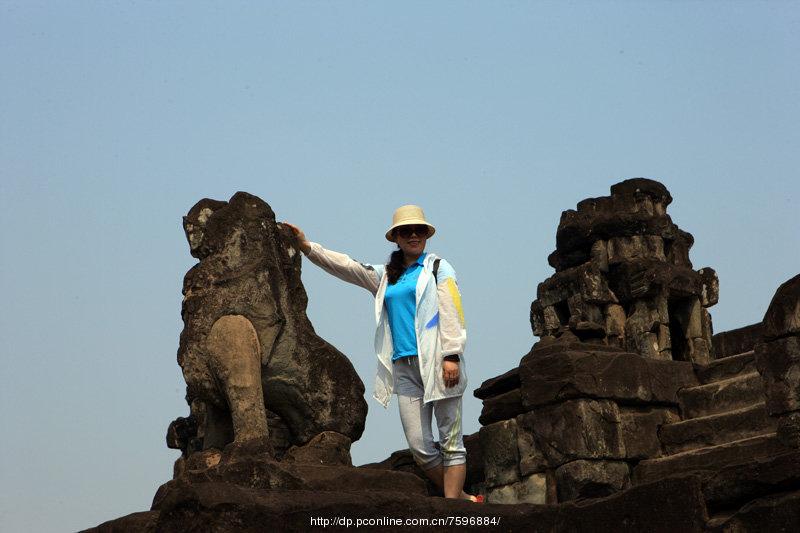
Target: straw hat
pixel 408 215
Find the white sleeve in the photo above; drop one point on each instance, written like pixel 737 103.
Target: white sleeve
pixel 345 268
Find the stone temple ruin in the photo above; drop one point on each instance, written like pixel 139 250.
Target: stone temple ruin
pixel 624 278
pixel 628 414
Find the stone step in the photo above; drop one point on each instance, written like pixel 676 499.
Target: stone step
pixel 501 407
pixel 728 367
pixel 733 486
pixel 707 461
pixel 721 396
pixel 716 429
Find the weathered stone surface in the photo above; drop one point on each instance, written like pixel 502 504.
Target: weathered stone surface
pixel 327 448
pixel 643 190
pixel 778 362
pixel 710 292
pixel 667 506
pixel 699 351
pixel 646 278
pixel 599 255
pixel 531 458
pixel 788 431
pixel 706 461
pixel 640 427
pixel 586 281
pixel 717 429
pixel 727 367
pixel 643 325
pixel 498 385
pixel 737 341
pixel 500 454
pixel 622 249
pixel 591 479
pixel 180 433
pixel 783 314
pixel 142 522
pixel 733 486
pixel 578 429
pixel 250 268
pixel 723 395
pixel 233 354
pixel 531 489
pixel 779 512
pixel 569 342
pixel 263 473
pixel 403 461
pixel 615 321
pixel 618 376
pixel 501 407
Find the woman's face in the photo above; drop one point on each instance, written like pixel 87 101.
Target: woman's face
pixel 411 239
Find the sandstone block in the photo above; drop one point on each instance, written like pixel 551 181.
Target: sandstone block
pixel 615 320
pixel 531 458
pixel 501 407
pixel 582 311
pixel 618 376
pixel 591 479
pixel 777 512
pixel 599 254
pixel 778 362
pixel 578 429
pixel 699 351
pixel 727 367
pixel 737 341
pixel 646 315
pixel 500 454
pixel 327 448
pixel 788 431
pixel 710 291
pixel 783 314
pixel 735 485
pixel 498 385
pixel 531 489
pixel 551 320
pixel 639 428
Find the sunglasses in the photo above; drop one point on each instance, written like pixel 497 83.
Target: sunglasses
pixel 406 231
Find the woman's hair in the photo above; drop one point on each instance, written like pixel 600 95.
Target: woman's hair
pixel 395 267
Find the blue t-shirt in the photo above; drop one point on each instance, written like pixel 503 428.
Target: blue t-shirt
pixel 401 304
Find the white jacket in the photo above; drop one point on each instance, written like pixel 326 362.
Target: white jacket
pixel 439 321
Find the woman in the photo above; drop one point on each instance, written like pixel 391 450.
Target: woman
pixel 419 341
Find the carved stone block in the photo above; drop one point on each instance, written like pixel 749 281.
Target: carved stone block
pixel 500 454
pixel 579 429
pixel 591 479
pixel 531 489
pixel 531 458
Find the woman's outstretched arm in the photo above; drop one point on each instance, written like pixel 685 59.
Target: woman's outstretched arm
pixel 338 264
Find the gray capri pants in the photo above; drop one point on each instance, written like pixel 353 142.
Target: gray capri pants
pixel 416 417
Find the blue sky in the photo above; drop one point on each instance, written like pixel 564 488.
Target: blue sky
pixel 116 117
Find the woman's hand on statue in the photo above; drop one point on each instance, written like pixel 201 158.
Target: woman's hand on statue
pixel 450 371
pixel 302 242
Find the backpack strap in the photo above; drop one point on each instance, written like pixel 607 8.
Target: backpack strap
pixel 436 269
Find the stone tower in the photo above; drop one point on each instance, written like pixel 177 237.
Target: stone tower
pixel 624 278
